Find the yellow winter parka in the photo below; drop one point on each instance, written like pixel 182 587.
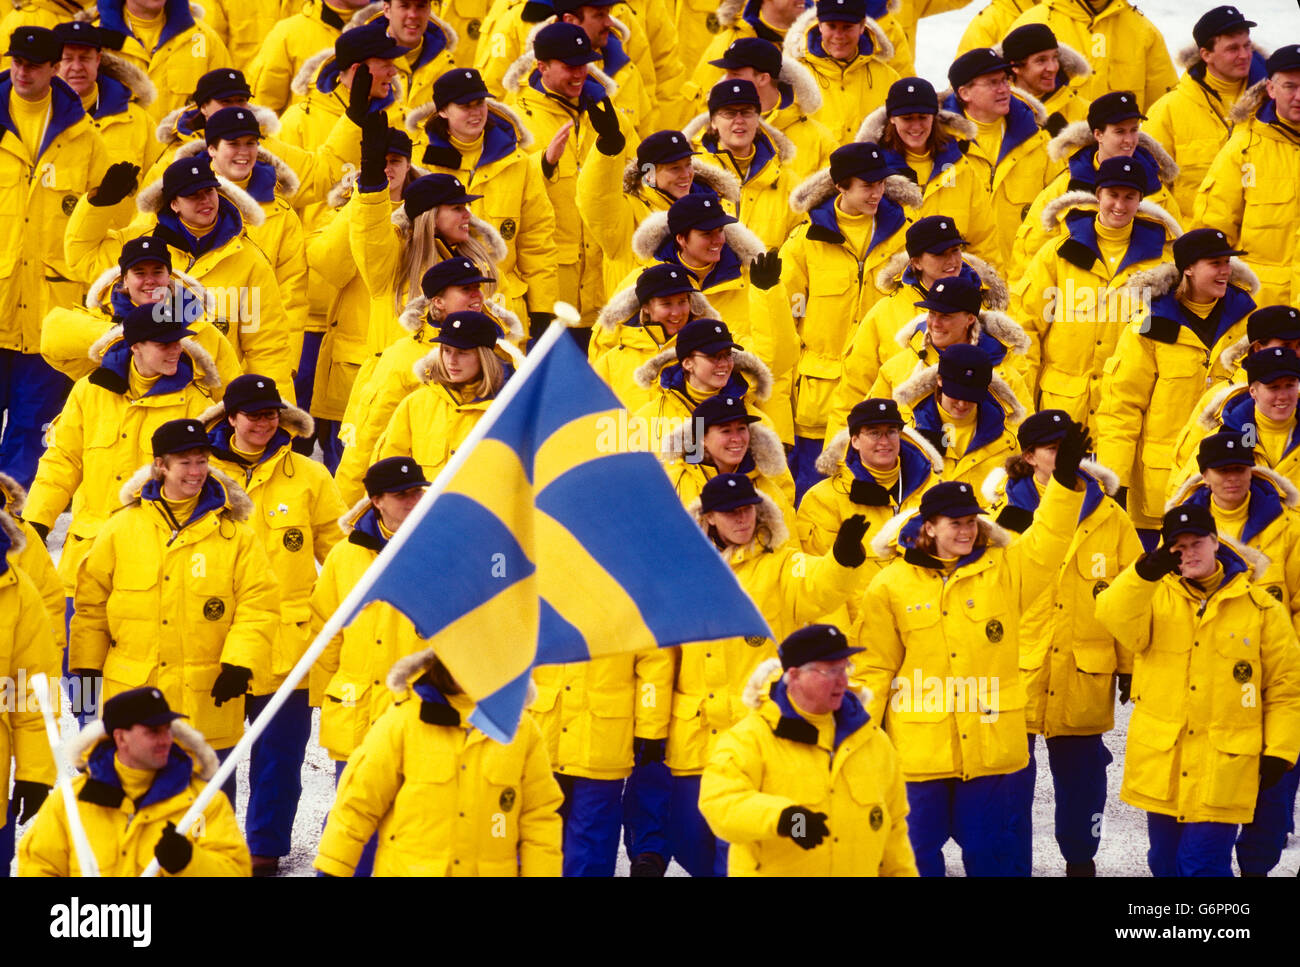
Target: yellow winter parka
pixel 992 23
pixel 123 93
pixel 775 758
pixel 437 53
pixel 1067 659
pixel 123 833
pixel 1216 683
pixel 1230 407
pixel 30 554
pixel 166 603
pixel 288 45
pixel 442 797
pixel 243 26
pixel 943 647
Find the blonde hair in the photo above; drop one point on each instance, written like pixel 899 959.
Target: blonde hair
pixel 491 375
pixel 420 250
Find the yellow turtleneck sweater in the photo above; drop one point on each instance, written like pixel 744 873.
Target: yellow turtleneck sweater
pixel 886 478
pixel 1202 309
pixel 1228 90
pixel 1209 585
pixel 1230 522
pixel 248 456
pixel 740 162
pixel 1273 436
pixel 962 430
pixel 922 164
pixel 31 118
pixel 147 31
pixel 780 31
pixel 825 723
pixel 135 782
pixel 856 228
pixel 182 510
pixel 989 137
pixel 138 385
pixel 384 531
pixel 90 100
pixel 470 151
pixel 195 230
pixel 1113 243
pixel 699 271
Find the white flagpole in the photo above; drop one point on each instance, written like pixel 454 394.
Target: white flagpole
pixel 565 315
pixel 40 686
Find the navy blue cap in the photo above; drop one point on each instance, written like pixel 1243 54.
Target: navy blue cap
pixel 188 176
pixel 1283 59
pixel 1273 322
pixel 1201 243
pixel 569 6
pixel 932 234
pixel 1112 108
pixel 1227 448
pixel 1023 42
pixel 564 42
pixel 1122 172
pixel 152 322
pixel 250 393
pixel 468 330
pixel 846 11
pixel 221 83
pixel 661 280
pixel 230 123
pixel 721 409
pixel 815 643
pixel 966 372
pixel 1187 519
pixel 957 293
pixel 732 93
pixel 144 248
pixel 177 436
pixel 36 44
pixel 861 159
pixel 728 491
pixel 453 271
pixel 138 706
pixel 1267 365
pixel 952 498
pixel 663 147
pixel 706 336
pixel 697 210
pixel 369 40
pixel 399 142
pixel 976 63
pixel 80 32
pixel 393 475
pixel 429 191
pixel 871 412
pixel 459 85
pixel 1220 20
pixel 911 95
pixel 754 52
pixel 1043 427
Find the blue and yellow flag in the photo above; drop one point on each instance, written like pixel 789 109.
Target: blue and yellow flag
pixel 552 544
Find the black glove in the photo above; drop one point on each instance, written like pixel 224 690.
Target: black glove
pixel 27 798
pixel 765 270
pixel 648 751
pixel 231 683
pixel 374 152
pixel 1121 497
pixel 88 694
pixel 814 826
pixel 1271 770
pixel 119 181
pixel 42 529
pixel 1154 565
pixel 359 96
pixel 1125 683
pixel 609 139
pixel 1076 445
pixel 537 323
pixel 848 549
pixel 173 851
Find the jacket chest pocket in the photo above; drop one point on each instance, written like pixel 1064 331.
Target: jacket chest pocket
pixel 133 607
pixel 289 533
pixel 1236 679
pixel 210 588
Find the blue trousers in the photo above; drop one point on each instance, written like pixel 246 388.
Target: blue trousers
pixel 592 815
pixel 229 787
pixel 1259 847
pixel 695 847
pixel 366 865
pixel 327 435
pixel 802 462
pixel 1078 764
pixel 646 803
pixel 1189 849
pixel 275 774
pixel 304 382
pixel 7 839
pixel 989 817
pixel 32 394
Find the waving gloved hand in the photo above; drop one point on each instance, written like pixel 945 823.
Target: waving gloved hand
pixel 120 180
pixel 765 270
pixel 604 119
pixel 848 548
pixel 1073 449
pixel 1154 565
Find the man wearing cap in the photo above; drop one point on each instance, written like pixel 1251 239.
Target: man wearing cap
pixel 113 92
pixel 855 223
pixel 1216 684
pixel 1125 50
pixel 429 42
pixel 152 374
pixel 1260 213
pixel 1073 297
pixel 633 95
pixel 43 128
pixel 296 507
pixel 1193 120
pixel 141 768
pixel 768 20
pixel 790 588
pixel 1110 131
pixel 1048 70
pixel 965 411
pixel 217 89
pixel 290 43
pixel 165 40
pixel 849 54
pixel 1158 372
pixel 1009 142
pixel 756 793
pixel 1266 328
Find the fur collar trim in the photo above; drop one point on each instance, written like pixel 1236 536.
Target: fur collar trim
pixel 785 148
pixel 1055 209
pixel 205 367
pixel 267 120
pixel 15 494
pixel 150 199
pixel 133 78
pixel 297 422
pixel 996 295
pixel 286 179
pixel 1079 135
pixel 78 748
pixel 997 324
pixel 873 127
pixel 517 74
pixel 818 188
pixel 746 363
pixel 100 289
pixel 764 446
pixel 239 506
pixel 832 457
pixel 925 381
pixel 1286 489
pixel 416 120
pixel 653 232
pixel 771 525
pixel 1163 279
pixel 885 544
pixel 724 183
pixel 625 306
pixel 796 38
pixel 488 235
pixel 413 317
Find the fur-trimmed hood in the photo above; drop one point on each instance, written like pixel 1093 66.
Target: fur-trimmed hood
pixel 297 422
pixel 348 522
pixel 238 507
pixel 1163 279
pixel 517 74
pixel 832 456
pixel 414 315
pixel 819 187
pixel 1190 55
pixel 785 148
pixel 1034 104
pixel 287 182
pixel 338 196
pixel 724 184
pixel 1073 63
pixel 406 670
pixel 267 120
pixel 925 381
pixel 885 544
pixel 764 446
pixel 1078 135
pixel 768 672
pixel 1290 494
pixel 128 75
pixel 1055 209
pixel 150 199
pixel 15 494
pixel 997 296
pixel 1249 102
pixel 796 38
pixel 1107 479
pixel 625 306
pixel 653 232
pixel 1209 416
pixel 997 324
pixel 416 120
pixel 807 95
pixel 487 235
pixel 205 367
pixel 17 540
pixel 424 368
pixel 101 289
pixel 771 525
pixel 873 126
pixel 77 750
pixel 746 363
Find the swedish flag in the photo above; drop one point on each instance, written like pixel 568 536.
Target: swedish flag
pixel 549 544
